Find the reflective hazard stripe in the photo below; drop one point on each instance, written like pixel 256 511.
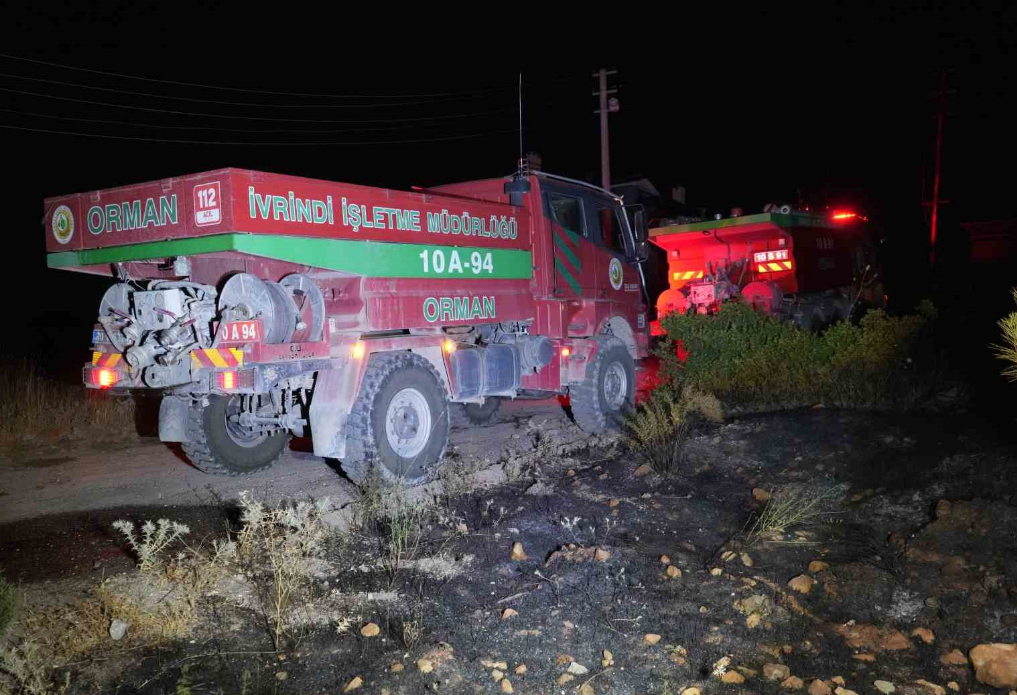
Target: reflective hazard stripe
pixel 218 358
pixel 106 359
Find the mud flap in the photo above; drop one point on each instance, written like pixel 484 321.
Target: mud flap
pixel 334 393
pixel 173 418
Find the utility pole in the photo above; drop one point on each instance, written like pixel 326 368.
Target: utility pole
pixel 942 95
pixel 606 106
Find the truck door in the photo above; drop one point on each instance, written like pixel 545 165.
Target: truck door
pixel 568 213
pixel 617 278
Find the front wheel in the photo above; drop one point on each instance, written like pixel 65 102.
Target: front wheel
pixel 217 444
pixel 399 423
pixel 608 392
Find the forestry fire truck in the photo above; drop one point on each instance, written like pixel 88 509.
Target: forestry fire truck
pixel 262 305
pixel 808 268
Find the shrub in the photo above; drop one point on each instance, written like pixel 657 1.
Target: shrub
pixel 754 361
pixel 8 605
pixel 658 431
pixel 155 537
pixel 795 504
pixel 1008 350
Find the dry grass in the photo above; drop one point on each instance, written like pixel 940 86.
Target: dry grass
pixel 704 404
pixel 33 404
pixel 657 432
pixel 795 505
pixel 1008 350
pixel 8 605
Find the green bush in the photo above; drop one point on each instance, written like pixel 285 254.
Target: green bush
pixel 753 361
pixel 1008 350
pixel 657 432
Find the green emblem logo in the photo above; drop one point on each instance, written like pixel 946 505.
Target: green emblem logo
pixel 615 273
pixel 62 224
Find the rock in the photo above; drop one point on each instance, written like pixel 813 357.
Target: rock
pixel 396 668
pixel 425 665
pixel 716 571
pixel 792 683
pixel 720 666
pixel 509 613
pixel 118 629
pixel 497 675
pixel 577 669
pixel 760 495
pixel 932 687
pixel 281 675
pixel 564 660
pixel 506 685
pixel 802 583
pixel 865 657
pixel 943 508
pixel 518 554
pixel 539 489
pixel 995 664
pixel 520 669
pixel 839 680
pixel 370 630
pixel 954 686
pixel 818 687
pixel 601 555
pixel 613 502
pixel 607 660
pixel 642 471
pixel 776 672
pixel 753 621
pixel 500 665
pixel 954 658
pixel 727 556
pixel 932 602
pixel 924 634
pixel 565 678
pixel 354 684
pixel 746 559
pixel 885 687
pixel 818 566
pixel 691 691
pixel 844 691
pixel 651 638
pixel 586 689
pixel 732 677
pixel 674 572
pixel 665 560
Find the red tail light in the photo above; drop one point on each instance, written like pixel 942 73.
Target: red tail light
pixel 227 380
pixel 104 378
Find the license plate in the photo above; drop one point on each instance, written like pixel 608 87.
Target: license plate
pixel 240 332
pixel 99 337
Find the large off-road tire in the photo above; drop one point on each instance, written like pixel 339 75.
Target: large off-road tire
pixel 470 414
pixel 218 447
pixel 399 425
pixel 608 392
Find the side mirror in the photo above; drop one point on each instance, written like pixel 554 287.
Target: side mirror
pixel 642 251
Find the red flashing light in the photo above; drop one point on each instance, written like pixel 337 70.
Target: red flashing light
pixel 227 380
pixel 104 378
pixel 841 215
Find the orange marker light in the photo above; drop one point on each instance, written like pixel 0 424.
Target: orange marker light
pixel 565 352
pixel 358 350
pixel 449 346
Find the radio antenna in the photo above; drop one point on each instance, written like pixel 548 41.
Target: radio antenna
pixel 522 160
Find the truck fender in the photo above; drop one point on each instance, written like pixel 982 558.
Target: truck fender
pixel 620 329
pixel 441 362
pixel 173 418
pixel 335 391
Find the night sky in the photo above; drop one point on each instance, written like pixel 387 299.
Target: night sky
pixel 834 105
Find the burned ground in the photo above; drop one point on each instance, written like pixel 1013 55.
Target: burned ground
pixel 917 558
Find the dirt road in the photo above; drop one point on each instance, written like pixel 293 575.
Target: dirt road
pixel 152 474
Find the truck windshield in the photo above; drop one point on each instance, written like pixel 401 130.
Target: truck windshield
pixel 612 230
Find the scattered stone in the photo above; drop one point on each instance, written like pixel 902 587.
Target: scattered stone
pixel 760 495
pixel 732 677
pixel 839 680
pixel 425 665
pixel 643 470
pixel 844 691
pixel 539 489
pixel 520 669
pixel 518 554
pixel 674 572
pixel 954 686
pixel 651 639
pixel 118 629
pixel 586 689
pixel 564 660
pixel 396 668
pixel 746 559
pixel 665 560
pixel 954 658
pixel 691 691
pixel 281 675
pixel 865 657
pixel 565 678
pixel 354 684
pixel 500 665
pixel 818 566
pixel 607 660
pixel 716 571
pixel 995 664
pixel 613 502
pixel 936 689
pixel 601 555
pixel 509 613
pixel 943 508
pixel 370 630
pixel 577 669
pixel 753 621
pixel 792 683
pixel 776 672
pixel 818 687
pixel 727 556
pixel 497 675
pixel 885 687
pixel 720 666
pixel 932 602
pixel 802 583
pixel 924 634
pixel 506 686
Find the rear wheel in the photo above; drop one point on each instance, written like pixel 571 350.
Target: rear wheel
pixel 608 392
pixel 216 444
pixel 399 425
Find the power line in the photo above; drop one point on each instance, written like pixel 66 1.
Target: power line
pixel 255 131
pixel 245 118
pixel 243 89
pixel 237 103
pixel 255 144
